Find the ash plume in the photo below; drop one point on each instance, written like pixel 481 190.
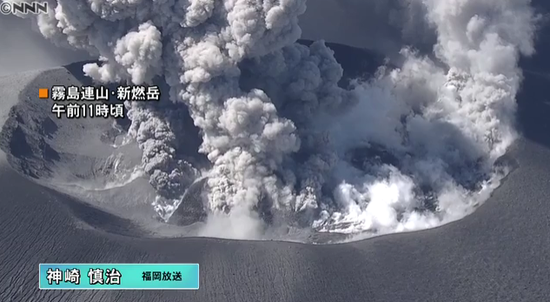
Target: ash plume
pixel 413 148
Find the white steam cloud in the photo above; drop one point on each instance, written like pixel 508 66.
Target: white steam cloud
pixel 410 149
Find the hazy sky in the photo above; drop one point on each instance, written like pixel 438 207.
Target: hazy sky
pixel 23 49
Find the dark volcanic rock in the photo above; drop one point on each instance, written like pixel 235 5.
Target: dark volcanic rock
pixel 24 139
pixel 191 208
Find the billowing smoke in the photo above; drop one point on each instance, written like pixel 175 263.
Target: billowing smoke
pixel 412 148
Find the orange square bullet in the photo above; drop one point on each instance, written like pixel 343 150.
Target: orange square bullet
pixel 43 93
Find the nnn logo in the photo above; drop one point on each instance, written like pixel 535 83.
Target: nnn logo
pixel 12 8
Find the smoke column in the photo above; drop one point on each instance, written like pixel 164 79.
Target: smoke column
pixel 411 149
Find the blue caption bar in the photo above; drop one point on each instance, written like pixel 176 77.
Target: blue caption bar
pixel 119 276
